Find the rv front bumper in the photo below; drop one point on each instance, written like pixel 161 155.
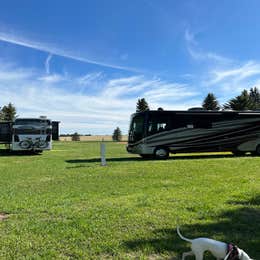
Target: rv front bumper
pixel 139 149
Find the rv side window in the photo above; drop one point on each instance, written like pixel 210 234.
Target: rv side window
pixel 193 121
pixel 158 124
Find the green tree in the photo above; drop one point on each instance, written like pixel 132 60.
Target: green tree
pixel 1 115
pixel 254 97
pixel 75 137
pixel 241 102
pixel 142 105
pixel 117 135
pixel 210 102
pixel 8 112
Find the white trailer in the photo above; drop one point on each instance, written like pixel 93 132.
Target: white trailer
pixel 29 134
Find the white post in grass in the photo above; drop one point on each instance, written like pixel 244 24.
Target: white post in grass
pixel 103 153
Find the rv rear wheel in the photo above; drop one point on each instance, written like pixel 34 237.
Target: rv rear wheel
pixel 161 153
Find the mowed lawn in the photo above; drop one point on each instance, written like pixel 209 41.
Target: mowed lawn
pixel 64 205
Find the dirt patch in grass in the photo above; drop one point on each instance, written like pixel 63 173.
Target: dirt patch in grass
pixel 3 216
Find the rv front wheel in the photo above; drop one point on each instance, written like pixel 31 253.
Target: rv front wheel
pixel 161 153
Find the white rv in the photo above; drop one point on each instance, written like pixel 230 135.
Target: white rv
pixel 29 134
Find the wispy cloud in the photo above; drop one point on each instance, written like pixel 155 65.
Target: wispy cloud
pixel 52 78
pixel 89 78
pixel 238 73
pixel 228 82
pixel 50 48
pixel 199 54
pixel 107 103
pixel 47 63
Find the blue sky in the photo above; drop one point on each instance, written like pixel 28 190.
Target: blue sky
pixel 85 63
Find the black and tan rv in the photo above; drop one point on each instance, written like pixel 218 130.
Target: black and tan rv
pixel 158 133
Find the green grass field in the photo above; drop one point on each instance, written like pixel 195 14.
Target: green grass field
pixel 64 205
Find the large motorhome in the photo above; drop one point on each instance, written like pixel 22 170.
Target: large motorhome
pixel 158 133
pixel 29 134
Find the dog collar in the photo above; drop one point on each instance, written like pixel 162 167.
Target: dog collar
pixel 232 252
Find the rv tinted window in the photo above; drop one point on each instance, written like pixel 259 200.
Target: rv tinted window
pixel 38 122
pixel 203 124
pixel 158 123
pixel 136 129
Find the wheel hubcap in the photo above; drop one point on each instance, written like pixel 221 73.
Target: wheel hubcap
pixel 161 153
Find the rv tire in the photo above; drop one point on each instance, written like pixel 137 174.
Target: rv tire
pixel 161 153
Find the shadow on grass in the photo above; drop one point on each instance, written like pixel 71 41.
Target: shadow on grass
pixel 8 153
pixel 177 157
pixel 95 160
pixel 240 226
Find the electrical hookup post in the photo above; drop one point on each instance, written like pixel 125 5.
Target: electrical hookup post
pixel 103 153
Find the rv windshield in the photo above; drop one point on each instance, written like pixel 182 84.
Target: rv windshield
pixel 136 128
pixel 33 122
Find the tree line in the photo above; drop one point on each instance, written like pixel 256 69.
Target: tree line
pixel 247 100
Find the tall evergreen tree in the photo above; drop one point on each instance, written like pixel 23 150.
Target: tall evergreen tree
pixel 142 105
pixel 117 135
pixel 8 112
pixel 241 102
pixel 254 97
pixel 210 102
pixel 1 115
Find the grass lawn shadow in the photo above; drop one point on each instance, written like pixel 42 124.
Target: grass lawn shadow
pixel 178 157
pixel 8 153
pixel 240 226
pixel 116 159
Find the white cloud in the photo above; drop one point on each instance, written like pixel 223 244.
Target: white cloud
pixel 47 63
pixel 53 78
pixel 228 82
pixel 199 54
pixel 190 37
pixel 99 109
pixel 223 76
pixel 89 78
pixel 236 74
pixel 50 48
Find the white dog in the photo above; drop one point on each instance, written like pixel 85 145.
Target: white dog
pixel 219 249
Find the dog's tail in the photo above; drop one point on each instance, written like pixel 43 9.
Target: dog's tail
pixel 181 236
